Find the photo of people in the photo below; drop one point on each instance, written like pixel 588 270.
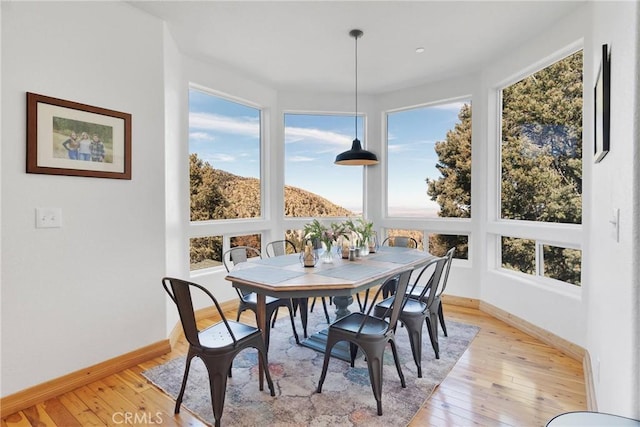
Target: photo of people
pixel 83 141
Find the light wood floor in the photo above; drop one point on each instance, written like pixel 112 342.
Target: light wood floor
pixel 505 378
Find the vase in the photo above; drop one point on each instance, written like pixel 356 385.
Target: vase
pixel 327 255
pixel 364 247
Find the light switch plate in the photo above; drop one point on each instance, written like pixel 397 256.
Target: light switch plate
pixel 48 217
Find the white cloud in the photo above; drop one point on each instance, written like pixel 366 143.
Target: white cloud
pixel 214 158
pixel 300 159
pixel 201 136
pixel 418 146
pixel 296 134
pixel 246 126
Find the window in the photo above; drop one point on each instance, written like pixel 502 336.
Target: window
pixel 224 154
pixel 314 185
pixel 542 259
pixel 253 240
pixel 205 252
pixel 562 264
pixel 542 145
pixel 429 161
pixel 519 254
pixel 541 169
pixel 439 244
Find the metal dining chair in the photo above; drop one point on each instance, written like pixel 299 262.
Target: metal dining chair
pixel 399 241
pixel 280 247
pixel 437 301
pixel 418 309
pixel 216 345
pixel 249 300
pixel 371 334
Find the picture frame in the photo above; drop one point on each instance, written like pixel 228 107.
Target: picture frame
pixel 69 138
pixel 602 100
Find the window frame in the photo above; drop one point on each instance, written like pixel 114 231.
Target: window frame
pixel 229 228
pixel 263 146
pixel 385 126
pixel 294 222
pixel 557 234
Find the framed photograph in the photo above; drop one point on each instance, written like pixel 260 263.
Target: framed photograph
pixel 602 106
pixel 68 138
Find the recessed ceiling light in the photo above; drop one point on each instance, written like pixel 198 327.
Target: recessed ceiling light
pixel 419 50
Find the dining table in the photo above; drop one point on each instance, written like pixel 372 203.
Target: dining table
pixel 285 276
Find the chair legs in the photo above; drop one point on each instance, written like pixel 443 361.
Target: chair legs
pixel 324 307
pixel 271 315
pixel 441 317
pixel 190 355
pixel 432 327
pixel 218 367
pixel 414 329
pixel 374 353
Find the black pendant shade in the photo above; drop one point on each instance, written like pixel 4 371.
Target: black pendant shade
pixel 356 156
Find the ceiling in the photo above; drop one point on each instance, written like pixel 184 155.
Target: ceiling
pixel 306 44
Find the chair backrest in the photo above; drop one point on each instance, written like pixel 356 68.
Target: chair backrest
pixel 393 312
pixel 180 293
pixel 280 247
pixel 428 291
pixel 445 276
pixel 239 254
pixel 401 241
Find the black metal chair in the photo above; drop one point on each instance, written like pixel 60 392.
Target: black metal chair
pixel 417 310
pixel 249 300
pixel 370 334
pixel 399 241
pixel 216 345
pixel 437 300
pixel 280 247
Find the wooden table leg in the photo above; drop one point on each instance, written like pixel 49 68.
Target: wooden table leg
pixel 261 318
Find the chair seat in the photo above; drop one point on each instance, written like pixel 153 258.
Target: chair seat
pixel 412 306
pixel 351 323
pixel 417 291
pixel 217 336
pixel 252 298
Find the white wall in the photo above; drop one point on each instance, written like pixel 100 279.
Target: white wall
pixel 89 291
pixel 613 326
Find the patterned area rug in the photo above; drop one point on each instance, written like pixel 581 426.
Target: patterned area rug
pixel 346 398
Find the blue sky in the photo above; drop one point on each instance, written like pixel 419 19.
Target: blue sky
pixel 226 134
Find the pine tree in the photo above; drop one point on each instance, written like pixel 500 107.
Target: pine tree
pixel 452 191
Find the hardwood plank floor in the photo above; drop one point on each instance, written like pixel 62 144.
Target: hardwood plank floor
pixel 505 378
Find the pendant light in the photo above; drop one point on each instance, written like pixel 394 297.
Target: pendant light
pixel 356 156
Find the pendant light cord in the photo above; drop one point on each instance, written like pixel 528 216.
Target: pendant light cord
pixel 356 112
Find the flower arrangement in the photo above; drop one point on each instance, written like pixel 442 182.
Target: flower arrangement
pixel 327 235
pixel 363 229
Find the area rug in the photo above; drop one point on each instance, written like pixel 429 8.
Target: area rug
pixel 346 398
